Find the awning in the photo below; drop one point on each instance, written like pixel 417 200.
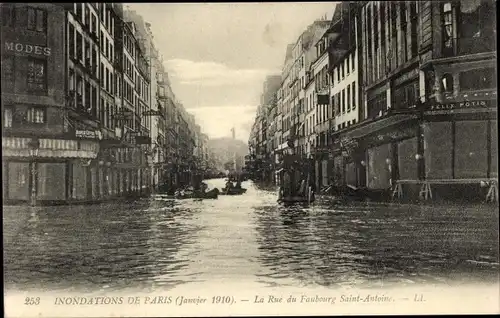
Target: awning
pixel 378 124
pixel 49 153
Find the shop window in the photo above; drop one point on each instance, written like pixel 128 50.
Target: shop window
pixel 407 164
pixel 351 174
pixel 79 180
pixel 471 154
pixel 478 79
pixel 37 74
pixel 37 20
pixel 18 175
pixel 437 150
pixel 379 169
pixel 37 115
pixel 51 183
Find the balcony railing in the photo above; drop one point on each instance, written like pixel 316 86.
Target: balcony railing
pixel 465 46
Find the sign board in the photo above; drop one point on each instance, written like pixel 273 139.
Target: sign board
pixel 27 48
pixel 87 134
pixel 151 113
pixel 142 140
pixel 462 104
pixel 124 115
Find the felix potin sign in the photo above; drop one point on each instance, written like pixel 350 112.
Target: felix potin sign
pixel 463 104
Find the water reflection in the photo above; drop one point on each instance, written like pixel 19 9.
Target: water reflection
pixel 151 244
pixel 102 246
pixel 376 245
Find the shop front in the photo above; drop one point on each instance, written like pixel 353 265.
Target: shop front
pixel 373 154
pixel 460 150
pixel 322 166
pixel 45 171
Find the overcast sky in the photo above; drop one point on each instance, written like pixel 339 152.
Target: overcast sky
pixel 218 55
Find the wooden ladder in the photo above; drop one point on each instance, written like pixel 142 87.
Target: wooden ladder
pixel 425 191
pixel 492 195
pixel 398 191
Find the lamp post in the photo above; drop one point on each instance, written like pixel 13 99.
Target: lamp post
pixel 34 147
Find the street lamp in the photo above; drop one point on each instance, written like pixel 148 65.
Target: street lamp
pixel 34 147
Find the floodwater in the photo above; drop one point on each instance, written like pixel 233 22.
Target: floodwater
pixel 152 244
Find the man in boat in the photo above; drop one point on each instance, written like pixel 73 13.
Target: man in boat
pixel 238 184
pixel 287 186
pixel 229 185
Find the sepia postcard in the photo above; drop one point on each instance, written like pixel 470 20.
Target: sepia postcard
pixel 249 159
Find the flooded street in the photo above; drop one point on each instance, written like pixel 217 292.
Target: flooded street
pixel 250 238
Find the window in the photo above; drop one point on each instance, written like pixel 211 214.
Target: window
pixel 347 64
pixel 375 27
pixel 478 79
pixel 8 69
pixel 71 40
pixel 447 83
pixel 353 95
pixel 406 96
pixel 94 101
pixel 78 10
pixel 79 44
pixel 71 80
pixel 36 115
pixel 343 70
pixel 101 73
pixel 88 61
pixel 37 20
pixel 86 15
pixel 447 26
pixel 37 76
pixel 377 106
pixel 106 47
pixel 94 26
pixel 353 59
pixel 348 98
pixel 382 24
pixel 337 97
pixel 8 16
pixel 7 117
pixel 343 101
pixel 101 111
pixel 79 85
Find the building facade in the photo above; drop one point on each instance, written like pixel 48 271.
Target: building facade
pixel 410 101
pixel 77 104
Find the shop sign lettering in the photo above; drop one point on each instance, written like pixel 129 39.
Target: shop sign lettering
pixel 465 104
pixel 27 48
pixel 89 134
